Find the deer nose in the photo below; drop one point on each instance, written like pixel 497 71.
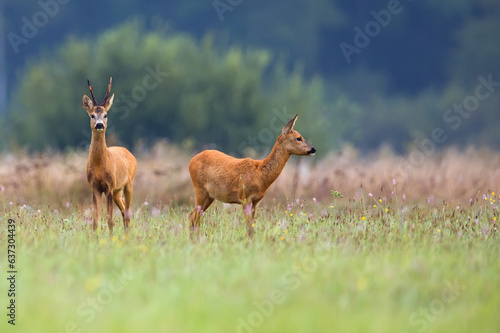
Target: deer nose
pixel 312 151
pixel 99 126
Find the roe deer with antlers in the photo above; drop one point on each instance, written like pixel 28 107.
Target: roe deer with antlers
pixel 216 175
pixel 110 171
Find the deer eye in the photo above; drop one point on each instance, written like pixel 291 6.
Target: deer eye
pixel 92 116
pixel 105 116
pixel 299 139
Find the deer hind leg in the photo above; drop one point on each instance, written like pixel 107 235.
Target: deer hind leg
pixel 109 201
pixel 127 191
pixel 203 201
pixel 207 203
pixel 254 206
pixel 118 199
pixel 249 212
pixel 96 198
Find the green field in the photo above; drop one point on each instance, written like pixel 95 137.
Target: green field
pixel 324 267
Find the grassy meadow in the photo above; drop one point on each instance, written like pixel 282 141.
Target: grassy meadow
pixel 339 247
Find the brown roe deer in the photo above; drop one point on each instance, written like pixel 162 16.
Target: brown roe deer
pixel 216 175
pixel 110 171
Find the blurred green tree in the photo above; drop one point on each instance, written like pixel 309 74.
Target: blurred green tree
pixel 169 85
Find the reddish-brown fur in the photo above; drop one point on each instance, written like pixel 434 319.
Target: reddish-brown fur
pixel 216 175
pixel 110 171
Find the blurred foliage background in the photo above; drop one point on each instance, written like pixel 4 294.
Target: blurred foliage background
pixel 228 74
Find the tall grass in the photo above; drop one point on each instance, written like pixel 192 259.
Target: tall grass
pixel 367 266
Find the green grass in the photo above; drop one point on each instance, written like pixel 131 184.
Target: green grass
pixel 357 268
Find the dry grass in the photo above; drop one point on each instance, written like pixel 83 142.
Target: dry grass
pixel 454 176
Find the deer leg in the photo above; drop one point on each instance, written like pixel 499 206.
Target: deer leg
pixel 109 200
pixel 203 201
pixel 254 207
pixel 207 203
pixel 128 190
pixel 96 198
pixel 118 199
pixel 249 211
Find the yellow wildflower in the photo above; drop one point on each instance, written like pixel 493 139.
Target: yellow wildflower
pixel 361 284
pixel 363 218
pixel 92 284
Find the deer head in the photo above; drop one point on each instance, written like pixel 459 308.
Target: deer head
pixel 98 112
pixel 294 142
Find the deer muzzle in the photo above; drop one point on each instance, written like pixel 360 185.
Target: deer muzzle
pixel 312 151
pixel 99 126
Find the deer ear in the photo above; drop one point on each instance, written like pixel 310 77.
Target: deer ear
pixel 289 127
pixel 87 103
pixel 109 102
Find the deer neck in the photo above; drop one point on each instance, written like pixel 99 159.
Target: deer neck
pixel 98 149
pixel 272 166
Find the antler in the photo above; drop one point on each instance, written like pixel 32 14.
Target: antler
pixel 109 89
pixel 91 91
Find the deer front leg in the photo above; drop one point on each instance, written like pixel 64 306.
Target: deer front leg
pixel 109 199
pixel 96 198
